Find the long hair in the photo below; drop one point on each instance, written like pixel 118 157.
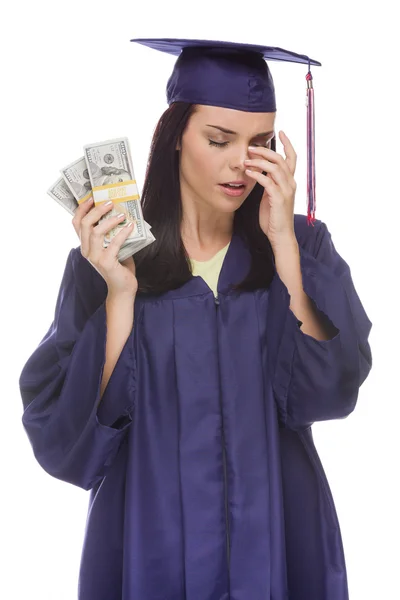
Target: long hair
pixel 164 265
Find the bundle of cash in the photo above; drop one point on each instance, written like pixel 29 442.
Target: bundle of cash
pixel 106 173
pixel 61 193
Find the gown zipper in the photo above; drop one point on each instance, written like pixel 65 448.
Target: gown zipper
pixel 228 549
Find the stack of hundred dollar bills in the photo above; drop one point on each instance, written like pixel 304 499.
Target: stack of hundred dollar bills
pixel 106 173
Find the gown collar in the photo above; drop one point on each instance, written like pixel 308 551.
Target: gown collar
pixel 236 265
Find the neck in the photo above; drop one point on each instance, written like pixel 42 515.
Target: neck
pixel 203 230
pixel 203 240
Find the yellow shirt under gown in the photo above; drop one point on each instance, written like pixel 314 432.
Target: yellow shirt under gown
pixel 209 269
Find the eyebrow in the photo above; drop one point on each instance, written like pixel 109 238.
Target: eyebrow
pixel 235 133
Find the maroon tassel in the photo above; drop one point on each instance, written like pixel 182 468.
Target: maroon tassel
pixel 311 185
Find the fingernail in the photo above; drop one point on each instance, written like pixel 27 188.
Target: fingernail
pixel 108 203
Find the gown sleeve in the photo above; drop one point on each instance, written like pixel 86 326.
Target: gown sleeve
pixel 74 438
pixel 320 380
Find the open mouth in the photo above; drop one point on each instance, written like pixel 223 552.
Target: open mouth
pixel 233 186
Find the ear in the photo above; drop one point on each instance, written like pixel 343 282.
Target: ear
pixel 179 144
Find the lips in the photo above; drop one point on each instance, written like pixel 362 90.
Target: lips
pixel 234 191
pixel 235 184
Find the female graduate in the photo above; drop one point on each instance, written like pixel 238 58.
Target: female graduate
pixel 180 387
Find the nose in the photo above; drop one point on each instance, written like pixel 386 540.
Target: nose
pixel 237 159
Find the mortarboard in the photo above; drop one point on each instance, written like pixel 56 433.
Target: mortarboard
pixel 235 75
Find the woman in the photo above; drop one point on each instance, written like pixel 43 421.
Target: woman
pixel 184 403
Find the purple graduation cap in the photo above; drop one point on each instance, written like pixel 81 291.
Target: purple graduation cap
pixel 235 75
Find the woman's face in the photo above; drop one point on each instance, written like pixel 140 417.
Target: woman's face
pixel 211 157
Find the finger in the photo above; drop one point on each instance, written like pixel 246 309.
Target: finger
pixel 291 156
pixel 84 207
pixel 117 242
pixel 272 157
pixel 267 182
pixel 94 215
pixel 88 222
pixel 97 233
pixel 80 212
pixel 279 175
pixel 116 222
pixel 110 222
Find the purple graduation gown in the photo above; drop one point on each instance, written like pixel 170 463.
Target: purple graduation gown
pixel 204 480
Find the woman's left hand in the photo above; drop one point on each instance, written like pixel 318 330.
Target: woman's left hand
pixel 277 204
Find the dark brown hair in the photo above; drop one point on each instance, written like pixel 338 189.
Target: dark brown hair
pixel 164 265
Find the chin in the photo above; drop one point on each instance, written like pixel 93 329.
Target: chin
pixel 230 207
pixel 229 204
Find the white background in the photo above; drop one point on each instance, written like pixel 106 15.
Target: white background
pixel 70 76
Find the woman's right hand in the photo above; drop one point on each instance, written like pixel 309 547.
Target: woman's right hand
pixel 120 277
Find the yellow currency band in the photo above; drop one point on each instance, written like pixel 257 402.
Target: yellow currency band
pixel 118 200
pixel 85 198
pixel 117 192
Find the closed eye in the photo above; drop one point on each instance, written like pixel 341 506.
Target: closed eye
pixel 222 144
pixel 218 144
